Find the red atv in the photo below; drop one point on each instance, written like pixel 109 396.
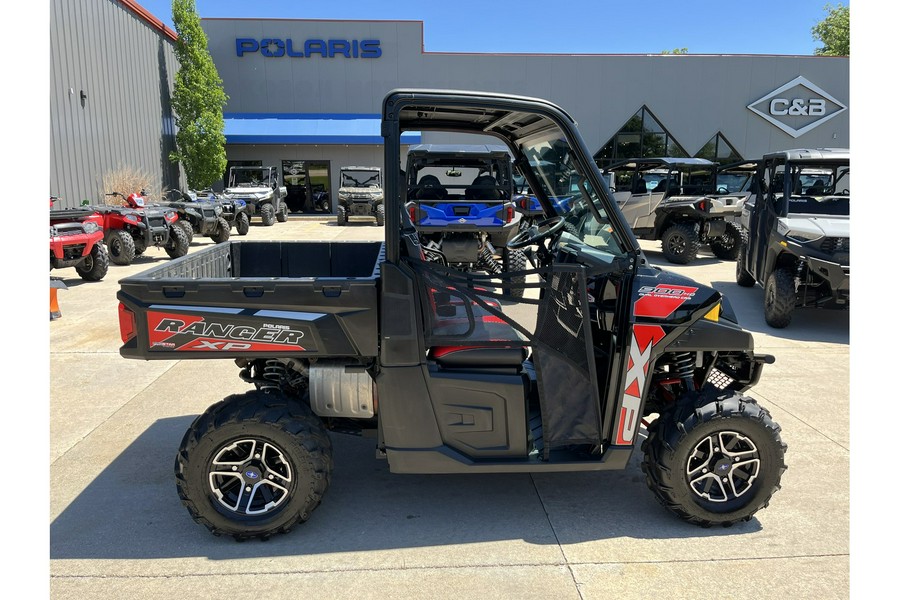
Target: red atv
pixel 129 230
pixel 76 240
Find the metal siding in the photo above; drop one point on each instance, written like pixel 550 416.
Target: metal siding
pixel 118 59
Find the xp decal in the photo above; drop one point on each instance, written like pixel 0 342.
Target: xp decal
pixel 643 338
pixel 187 333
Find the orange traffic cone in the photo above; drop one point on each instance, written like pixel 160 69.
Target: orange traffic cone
pixel 55 284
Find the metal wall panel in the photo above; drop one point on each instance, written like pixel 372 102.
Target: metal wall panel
pixel 125 68
pixel 694 96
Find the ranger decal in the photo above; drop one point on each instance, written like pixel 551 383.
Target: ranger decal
pixel 181 332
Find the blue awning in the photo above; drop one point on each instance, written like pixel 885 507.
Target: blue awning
pixel 300 128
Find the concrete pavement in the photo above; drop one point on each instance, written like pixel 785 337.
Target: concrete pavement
pixel 118 529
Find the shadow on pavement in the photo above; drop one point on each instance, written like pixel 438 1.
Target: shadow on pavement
pixel 132 511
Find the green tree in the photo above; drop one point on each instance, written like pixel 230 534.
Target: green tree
pixel 197 101
pixel 834 31
pixel 675 51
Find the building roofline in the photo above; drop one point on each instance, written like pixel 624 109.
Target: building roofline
pixel 147 17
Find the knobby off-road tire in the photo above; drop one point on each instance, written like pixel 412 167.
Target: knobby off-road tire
pixel 140 245
pixel 282 215
pixel 242 223
pixel 514 260
pixel 341 216
pixel 267 214
pixel 223 231
pixel 264 441
pixel 779 298
pixel 187 229
pixel 379 215
pixel 741 274
pixel 716 463
pixel 121 247
pixel 680 243
pixel 178 244
pixel 95 265
pixel 727 246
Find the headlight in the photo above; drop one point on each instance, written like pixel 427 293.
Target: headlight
pixel 218 210
pixel 90 227
pixel 344 195
pixel 803 236
pixel 378 196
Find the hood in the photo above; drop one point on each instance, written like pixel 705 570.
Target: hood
pixel 361 190
pixel 829 226
pixel 248 190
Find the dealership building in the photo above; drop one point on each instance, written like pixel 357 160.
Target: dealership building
pixel 305 95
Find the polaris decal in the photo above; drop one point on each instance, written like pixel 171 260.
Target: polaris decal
pixel 643 338
pixel 277 47
pixel 194 333
pixel 662 300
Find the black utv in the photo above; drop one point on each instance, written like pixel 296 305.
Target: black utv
pixel 446 373
pixel 198 215
pixel 796 228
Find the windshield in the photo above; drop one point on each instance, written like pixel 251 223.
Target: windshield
pixel 730 183
pixel 361 179
pixel 557 171
pixel 819 190
pixel 248 177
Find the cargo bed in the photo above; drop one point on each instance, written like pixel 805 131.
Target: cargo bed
pixel 254 299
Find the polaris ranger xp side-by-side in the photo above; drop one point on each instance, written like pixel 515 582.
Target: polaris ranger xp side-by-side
pixel 447 373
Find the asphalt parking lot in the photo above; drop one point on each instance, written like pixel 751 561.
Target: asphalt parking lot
pixel 118 529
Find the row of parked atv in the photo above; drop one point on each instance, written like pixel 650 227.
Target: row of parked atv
pixel 90 237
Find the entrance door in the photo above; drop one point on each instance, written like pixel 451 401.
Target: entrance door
pixel 308 185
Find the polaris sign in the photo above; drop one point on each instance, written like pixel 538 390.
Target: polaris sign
pixel 275 47
pixel 797 107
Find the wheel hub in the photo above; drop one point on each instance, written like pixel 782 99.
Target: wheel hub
pixel 723 466
pixel 250 477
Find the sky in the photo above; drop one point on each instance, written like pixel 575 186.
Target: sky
pixel 571 27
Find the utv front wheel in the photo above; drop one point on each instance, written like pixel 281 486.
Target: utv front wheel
pixel 121 247
pixel 223 231
pixel 95 265
pixel 341 216
pixel 253 465
pixel 379 215
pixel 282 215
pixel 680 243
pixel 716 463
pixel 727 246
pixel 242 223
pixel 178 243
pixel 267 213
pixel 780 297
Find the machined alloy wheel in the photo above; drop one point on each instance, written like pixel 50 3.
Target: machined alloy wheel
pixel 722 466
pixel 250 476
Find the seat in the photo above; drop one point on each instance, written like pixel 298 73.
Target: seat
pixel 484 187
pixel 641 186
pixel 430 188
pixel 817 188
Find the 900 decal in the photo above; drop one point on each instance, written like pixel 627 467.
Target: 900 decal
pixel 189 333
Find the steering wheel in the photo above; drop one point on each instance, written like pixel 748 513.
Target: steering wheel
pixel 536 233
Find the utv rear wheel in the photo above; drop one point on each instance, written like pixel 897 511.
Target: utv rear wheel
pixel 680 243
pixel 341 216
pixel 727 246
pixel 379 215
pixel 779 299
pixel 187 229
pixel 178 243
pixel 716 463
pixel 741 274
pixel 121 247
pixel 267 213
pixel 95 265
pixel 223 231
pixel 514 260
pixel 253 465
pixel 242 223
pixel 282 215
